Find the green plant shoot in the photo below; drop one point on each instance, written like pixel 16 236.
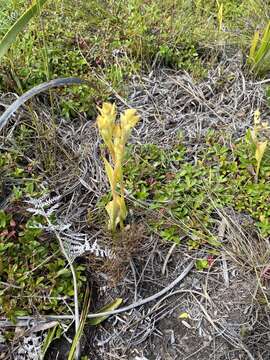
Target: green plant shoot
pixel 115 135
pixel 259 50
pixel 220 15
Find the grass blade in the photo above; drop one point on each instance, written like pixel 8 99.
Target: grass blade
pixel 76 341
pixel 19 25
pixel 48 340
pixel 253 47
pixel 265 44
pixel 259 51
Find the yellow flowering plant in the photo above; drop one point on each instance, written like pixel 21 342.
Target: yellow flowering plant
pixel 260 146
pixel 115 135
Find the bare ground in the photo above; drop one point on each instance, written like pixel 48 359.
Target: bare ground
pixel 225 317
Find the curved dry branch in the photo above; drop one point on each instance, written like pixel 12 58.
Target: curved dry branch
pixel 35 91
pixel 21 320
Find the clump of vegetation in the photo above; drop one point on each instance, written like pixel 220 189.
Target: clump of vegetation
pixel 19 26
pixel 34 276
pixel 185 197
pixel 104 49
pixel 260 51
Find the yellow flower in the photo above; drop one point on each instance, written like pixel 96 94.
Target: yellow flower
pixel 108 111
pixel 106 124
pixel 128 120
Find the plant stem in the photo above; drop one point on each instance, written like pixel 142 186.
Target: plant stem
pixel 76 301
pixel 132 306
pixel 75 287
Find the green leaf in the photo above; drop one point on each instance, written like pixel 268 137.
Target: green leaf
pixel 29 188
pixel 17 192
pixel 20 313
pixel 19 25
pixel 48 340
pixel 259 50
pixel 114 305
pixel 76 340
pixel 254 43
pixel 264 46
pixel 213 241
pixel 61 272
pixel 201 264
pixel 18 172
pixel 3 219
pixel 4 247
